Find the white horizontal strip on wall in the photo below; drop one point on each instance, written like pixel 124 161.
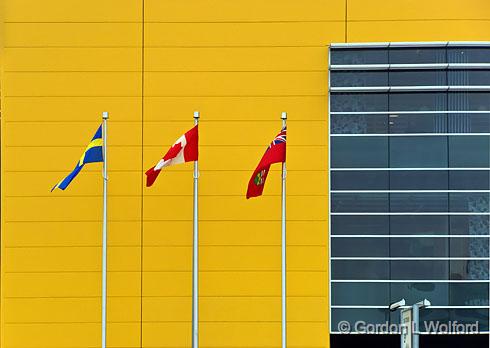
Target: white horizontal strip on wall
pixel 410 213
pixel 387 307
pixel 405 134
pixel 380 89
pixel 389 258
pixel 409 281
pixel 408 112
pixel 432 66
pixel 409 236
pixel 410 191
pixel 407 169
pixel 410 44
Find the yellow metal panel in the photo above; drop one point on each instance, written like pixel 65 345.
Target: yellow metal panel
pixel 413 9
pixel 242 34
pixel 236 59
pixel 256 10
pixel 172 334
pixel 72 34
pixel 73 108
pixel 76 11
pixel 72 83
pixel 235 108
pixel 73 59
pixel 437 30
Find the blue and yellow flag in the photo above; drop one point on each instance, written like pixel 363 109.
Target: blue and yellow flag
pixel 93 153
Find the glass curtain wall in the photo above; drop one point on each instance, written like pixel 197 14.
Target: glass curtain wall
pixel 409 192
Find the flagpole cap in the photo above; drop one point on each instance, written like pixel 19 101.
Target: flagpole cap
pixel 105 115
pixel 284 115
pixel 196 114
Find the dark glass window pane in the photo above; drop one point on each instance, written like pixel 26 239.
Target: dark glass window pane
pixel 418 123
pixel 469 123
pixel 468 180
pixel 418 78
pixel 424 224
pixel 469 77
pixel 431 317
pixel 469 270
pixel 359 269
pixel 418 202
pixel 419 180
pixel 418 152
pixel 356 315
pixel 468 202
pixel 345 224
pixel 469 247
pixel 469 101
pixel 358 78
pixel 428 101
pixel 367 294
pixel 436 293
pixel 358 102
pixel 469 224
pixel 359 152
pixel 468 151
pixel 360 180
pixel 359 247
pixel 468 294
pixel 359 56
pixel 420 55
pixel 472 316
pixel 423 270
pixel 419 247
pixel 359 202
pixel 359 124
pixel 468 55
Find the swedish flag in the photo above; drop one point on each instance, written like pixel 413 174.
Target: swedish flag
pixel 93 153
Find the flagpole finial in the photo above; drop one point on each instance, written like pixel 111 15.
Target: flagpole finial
pixel 196 114
pixel 105 115
pixel 284 115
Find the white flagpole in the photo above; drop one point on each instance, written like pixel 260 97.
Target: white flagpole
pixel 284 116
pixel 195 257
pixel 105 116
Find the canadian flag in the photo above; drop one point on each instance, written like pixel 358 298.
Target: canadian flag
pixel 184 150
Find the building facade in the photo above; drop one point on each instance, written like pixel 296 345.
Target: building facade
pixel 151 64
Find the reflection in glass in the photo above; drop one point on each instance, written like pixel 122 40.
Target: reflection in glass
pixel 469 247
pixel 360 247
pixel 469 101
pixel 359 202
pixel 469 270
pixel 468 202
pixel 359 56
pixel 418 152
pixel 360 269
pixel 358 224
pixel 358 78
pixel 468 151
pixel 370 294
pixel 468 123
pixel 418 78
pixel 419 180
pixel 420 269
pixel 468 55
pixel 469 224
pixel 415 224
pixel 468 294
pixel 421 55
pixel 354 315
pixel 469 77
pixel 469 180
pixel 428 101
pixel 471 316
pixel 417 123
pixel 419 247
pixel 436 293
pixel 350 102
pixel 418 202
pixel 360 180
pixel 359 124
pixel 359 152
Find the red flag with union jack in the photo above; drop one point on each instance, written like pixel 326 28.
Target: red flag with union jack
pixel 275 153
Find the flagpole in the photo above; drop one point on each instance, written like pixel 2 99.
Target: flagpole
pixel 105 116
pixel 195 257
pixel 284 117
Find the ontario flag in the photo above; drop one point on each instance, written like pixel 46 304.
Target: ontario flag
pixel 184 150
pixel 275 153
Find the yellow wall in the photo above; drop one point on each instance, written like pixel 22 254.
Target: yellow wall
pixel 151 64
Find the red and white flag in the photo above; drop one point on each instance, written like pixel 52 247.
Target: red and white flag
pixel 184 150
